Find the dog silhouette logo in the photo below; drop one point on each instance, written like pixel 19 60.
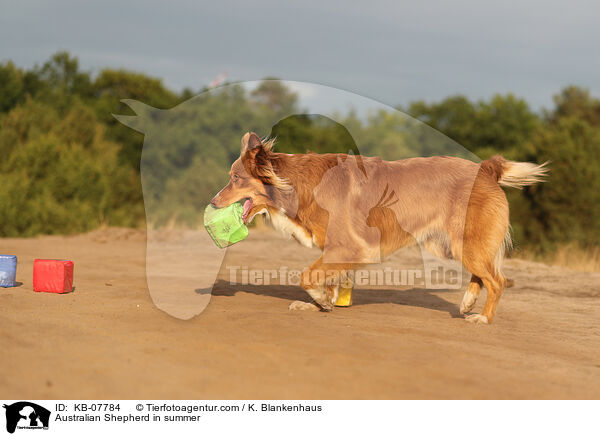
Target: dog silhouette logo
pixel 26 415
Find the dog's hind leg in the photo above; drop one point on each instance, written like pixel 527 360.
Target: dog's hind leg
pixel 483 265
pixel 485 241
pixel 494 284
pixel 471 294
pixel 480 262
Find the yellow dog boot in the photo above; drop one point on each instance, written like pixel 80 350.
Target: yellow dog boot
pixel 344 298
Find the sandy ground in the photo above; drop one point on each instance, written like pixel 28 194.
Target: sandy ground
pixel 108 340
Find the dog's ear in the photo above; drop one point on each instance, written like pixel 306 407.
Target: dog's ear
pixel 250 143
pixel 252 153
pixel 257 159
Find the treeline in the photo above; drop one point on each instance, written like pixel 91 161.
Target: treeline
pixel 69 166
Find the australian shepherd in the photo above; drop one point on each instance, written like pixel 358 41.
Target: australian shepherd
pixel 358 210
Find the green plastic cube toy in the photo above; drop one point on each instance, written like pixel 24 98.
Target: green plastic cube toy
pixel 225 225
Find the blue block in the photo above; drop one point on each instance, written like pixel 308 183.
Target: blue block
pixel 8 270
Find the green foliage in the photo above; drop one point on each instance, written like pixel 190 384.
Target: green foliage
pixel 273 96
pixel 60 179
pixel 110 87
pixel 11 86
pixel 59 82
pixel 393 135
pixel 455 116
pixel 316 133
pixel 500 126
pixel 576 102
pixel 567 208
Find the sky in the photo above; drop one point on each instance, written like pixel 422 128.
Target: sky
pixel 390 51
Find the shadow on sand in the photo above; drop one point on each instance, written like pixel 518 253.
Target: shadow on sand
pixel 416 297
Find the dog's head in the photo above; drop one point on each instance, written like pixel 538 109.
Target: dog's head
pixel 252 178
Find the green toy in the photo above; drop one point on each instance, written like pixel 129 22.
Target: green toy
pixel 225 225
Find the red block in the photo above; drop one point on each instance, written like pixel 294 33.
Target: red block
pixel 51 275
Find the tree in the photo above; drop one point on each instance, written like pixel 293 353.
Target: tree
pixel 566 208
pixel 276 97
pixel 59 81
pixel 11 86
pixel 315 133
pixel 112 86
pixel 455 116
pixel 503 125
pixel 60 174
pixel 576 102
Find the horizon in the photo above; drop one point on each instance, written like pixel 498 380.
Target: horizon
pixel 305 91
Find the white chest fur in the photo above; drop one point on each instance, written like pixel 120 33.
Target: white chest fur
pixel 289 228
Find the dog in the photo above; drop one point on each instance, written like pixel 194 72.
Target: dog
pixel 358 210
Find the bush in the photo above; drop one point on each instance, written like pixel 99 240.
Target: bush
pixel 61 177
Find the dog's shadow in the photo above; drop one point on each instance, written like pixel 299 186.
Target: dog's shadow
pixel 414 297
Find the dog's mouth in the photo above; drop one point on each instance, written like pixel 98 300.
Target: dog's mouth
pixel 247 207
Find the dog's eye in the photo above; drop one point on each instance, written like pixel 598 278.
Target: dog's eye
pixel 236 177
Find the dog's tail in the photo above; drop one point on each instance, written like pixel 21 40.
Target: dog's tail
pixel 514 174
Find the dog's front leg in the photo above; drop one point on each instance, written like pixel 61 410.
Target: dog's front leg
pixel 314 282
pixel 331 295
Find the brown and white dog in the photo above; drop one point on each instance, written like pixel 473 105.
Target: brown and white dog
pixel 358 210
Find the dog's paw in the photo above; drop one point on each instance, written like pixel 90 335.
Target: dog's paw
pixel 302 305
pixel 476 318
pixel 467 303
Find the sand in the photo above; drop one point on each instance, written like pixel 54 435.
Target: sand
pixel 108 340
